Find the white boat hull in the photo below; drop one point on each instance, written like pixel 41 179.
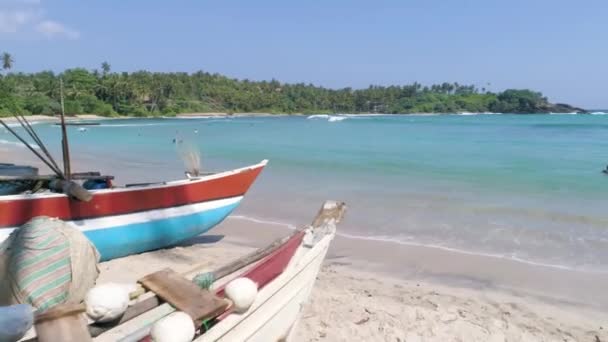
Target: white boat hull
pixel 276 310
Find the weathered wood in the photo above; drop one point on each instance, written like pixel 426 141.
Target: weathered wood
pixel 64 138
pixel 65 323
pixel 184 295
pixel 71 188
pixel 330 211
pixel 79 176
pixel 153 302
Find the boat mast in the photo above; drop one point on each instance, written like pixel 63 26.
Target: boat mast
pixel 64 138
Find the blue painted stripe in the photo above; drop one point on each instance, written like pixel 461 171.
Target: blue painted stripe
pixel 136 238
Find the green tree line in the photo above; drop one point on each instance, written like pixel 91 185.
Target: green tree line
pixel 145 93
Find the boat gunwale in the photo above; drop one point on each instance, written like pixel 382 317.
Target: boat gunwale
pixel 296 266
pixel 168 184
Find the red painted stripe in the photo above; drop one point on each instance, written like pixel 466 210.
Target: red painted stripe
pixel 18 212
pixel 265 271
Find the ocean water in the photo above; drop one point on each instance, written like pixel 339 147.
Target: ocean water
pixel 524 187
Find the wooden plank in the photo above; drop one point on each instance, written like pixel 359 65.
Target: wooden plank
pixel 79 176
pixel 184 295
pixel 64 322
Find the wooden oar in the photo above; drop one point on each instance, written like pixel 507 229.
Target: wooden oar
pixel 330 212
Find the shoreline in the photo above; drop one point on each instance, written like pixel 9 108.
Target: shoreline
pixel 433 263
pixel 350 302
pixel 50 118
pixel 431 293
pixel 209 115
pixel 427 263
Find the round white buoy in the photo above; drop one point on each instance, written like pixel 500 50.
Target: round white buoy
pixel 242 293
pixel 177 327
pixel 107 302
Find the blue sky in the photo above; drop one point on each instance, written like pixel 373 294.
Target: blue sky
pixel 555 46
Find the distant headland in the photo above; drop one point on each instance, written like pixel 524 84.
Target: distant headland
pixel 145 93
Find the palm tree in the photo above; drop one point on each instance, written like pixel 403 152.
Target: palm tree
pixel 7 61
pixel 105 68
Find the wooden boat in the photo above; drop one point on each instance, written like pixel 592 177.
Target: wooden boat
pixel 8 169
pixel 11 187
pixel 277 308
pixel 285 272
pixel 135 219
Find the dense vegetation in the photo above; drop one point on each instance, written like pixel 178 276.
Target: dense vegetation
pixel 146 93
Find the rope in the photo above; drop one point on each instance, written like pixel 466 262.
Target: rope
pixel 204 280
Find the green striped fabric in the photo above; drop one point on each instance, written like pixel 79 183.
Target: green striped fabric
pixel 40 264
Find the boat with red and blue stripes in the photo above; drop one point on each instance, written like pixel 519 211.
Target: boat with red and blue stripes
pixel 121 221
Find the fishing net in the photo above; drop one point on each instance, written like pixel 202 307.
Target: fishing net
pixel 46 262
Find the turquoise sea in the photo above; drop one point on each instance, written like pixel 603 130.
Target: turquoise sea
pixel 524 187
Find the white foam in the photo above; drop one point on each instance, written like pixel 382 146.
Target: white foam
pixel 257 220
pixel 131 125
pixel 329 118
pixel 199 117
pixel 462 251
pixel 336 118
pixel 388 239
pixel 318 116
pixel 16 143
pixel 364 115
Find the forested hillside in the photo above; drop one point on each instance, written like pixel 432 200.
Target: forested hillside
pixel 145 93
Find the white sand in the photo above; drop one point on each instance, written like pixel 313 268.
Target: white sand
pixel 49 118
pixel 350 305
pixel 355 306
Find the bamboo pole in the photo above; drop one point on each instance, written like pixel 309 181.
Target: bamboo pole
pixel 28 128
pixel 27 145
pixel 64 137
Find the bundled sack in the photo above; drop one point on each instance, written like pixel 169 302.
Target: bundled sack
pixel 46 262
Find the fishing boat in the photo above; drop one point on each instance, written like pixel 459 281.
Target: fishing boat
pixel 121 221
pixel 285 272
pixel 18 185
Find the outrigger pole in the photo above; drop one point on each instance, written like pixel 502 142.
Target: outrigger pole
pixel 64 138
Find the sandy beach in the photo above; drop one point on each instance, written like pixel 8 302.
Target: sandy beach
pixel 383 291
pixel 49 118
pixel 349 304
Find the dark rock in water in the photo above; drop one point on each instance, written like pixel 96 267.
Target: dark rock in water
pixel 564 108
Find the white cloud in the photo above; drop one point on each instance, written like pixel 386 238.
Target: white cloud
pixel 23 18
pixel 12 21
pixel 52 29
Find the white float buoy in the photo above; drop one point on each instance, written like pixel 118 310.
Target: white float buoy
pixel 177 327
pixel 242 292
pixel 107 302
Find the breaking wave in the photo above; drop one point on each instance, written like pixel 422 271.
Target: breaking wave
pixel 16 143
